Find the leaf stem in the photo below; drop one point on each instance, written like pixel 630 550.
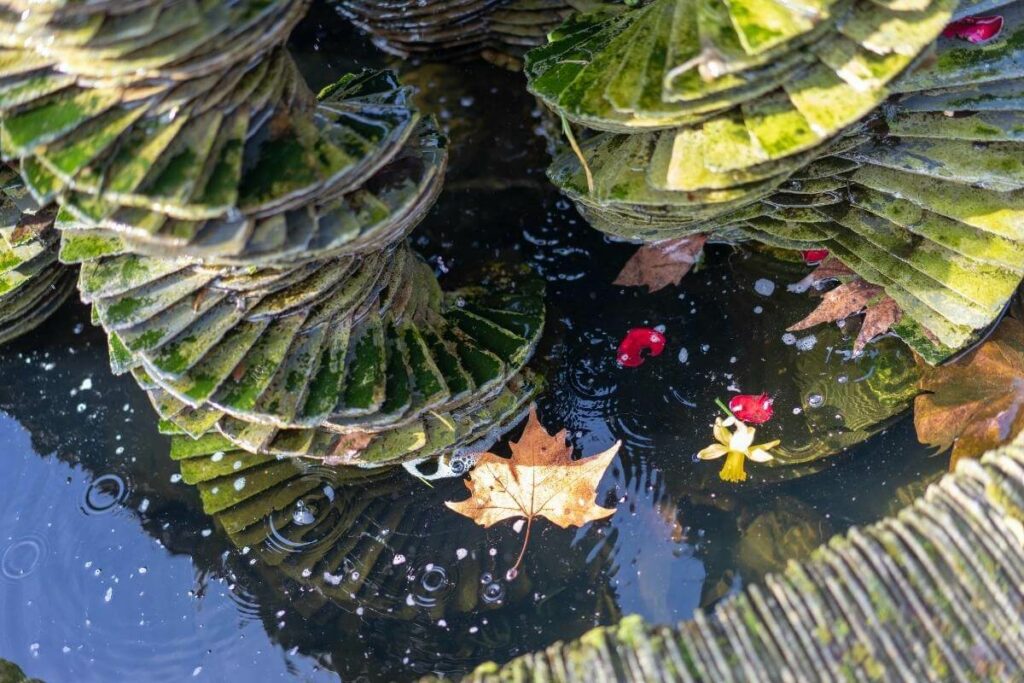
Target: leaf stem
pixel 725 408
pixel 522 553
pixel 567 129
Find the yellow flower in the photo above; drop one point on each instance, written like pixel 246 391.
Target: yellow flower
pixel 736 447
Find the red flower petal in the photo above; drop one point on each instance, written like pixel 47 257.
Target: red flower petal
pixel 813 257
pixel 638 343
pixel 975 29
pixel 752 408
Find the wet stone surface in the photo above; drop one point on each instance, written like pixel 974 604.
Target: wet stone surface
pixel 111 568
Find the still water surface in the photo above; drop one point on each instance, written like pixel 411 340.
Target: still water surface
pixel 110 569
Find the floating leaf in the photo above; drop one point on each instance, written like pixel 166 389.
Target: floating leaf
pixel 541 479
pixel 880 311
pixel 975 403
pixel 660 264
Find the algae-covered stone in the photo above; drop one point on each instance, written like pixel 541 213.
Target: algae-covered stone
pixel 853 126
pixel 33 284
pixel 497 30
pixel 241 239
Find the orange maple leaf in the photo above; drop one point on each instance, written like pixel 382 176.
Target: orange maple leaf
pixel 540 480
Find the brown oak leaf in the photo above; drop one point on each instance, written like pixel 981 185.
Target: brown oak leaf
pixel 660 264
pixel 541 479
pixel 976 403
pixel 849 298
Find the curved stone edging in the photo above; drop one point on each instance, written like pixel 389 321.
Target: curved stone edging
pixel 935 592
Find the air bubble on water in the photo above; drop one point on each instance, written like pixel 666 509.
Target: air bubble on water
pixel 764 287
pixel 492 552
pixel 86 384
pixel 758 310
pixel 301 515
pixel 493 593
pixel 518 526
pixel 239 483
pixel 461 553
pixel 333 579
pixel 704 348
pixel 797 410
pixel 175 478
pixel 842 379
pixel 486 578
pixel 80 407
pixel 789 339
pixel 109 595
pixel 684 355
pixel 205 533
pixel 660 328
pixel 196 671
pixel 217 457
pixel 815 400
pixel 806 343
pixel 398 559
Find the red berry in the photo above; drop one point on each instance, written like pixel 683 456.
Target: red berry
pixel 638 343
pixel 752 408
pixel 813 257
pixel 975 29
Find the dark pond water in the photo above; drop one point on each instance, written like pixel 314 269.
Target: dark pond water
pixel 110 569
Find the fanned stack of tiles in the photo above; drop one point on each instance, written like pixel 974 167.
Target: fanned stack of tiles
pixel 454 29
pixel 33 284
pixel 871 128
pixel 241 240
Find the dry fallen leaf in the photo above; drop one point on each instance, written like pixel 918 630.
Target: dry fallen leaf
pixel 540 480
pixel 348 446
pixel 976 403
pixel 880 311
pixel 660 264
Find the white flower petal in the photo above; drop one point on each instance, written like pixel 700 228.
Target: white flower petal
pixel 741 438
pixel 713 451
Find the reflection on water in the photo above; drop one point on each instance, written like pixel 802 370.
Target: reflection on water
pixel 118 562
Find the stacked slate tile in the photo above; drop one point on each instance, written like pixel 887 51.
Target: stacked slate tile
pixel 887 131
pixel 33 284
pixel 499 30
pixel 241 239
